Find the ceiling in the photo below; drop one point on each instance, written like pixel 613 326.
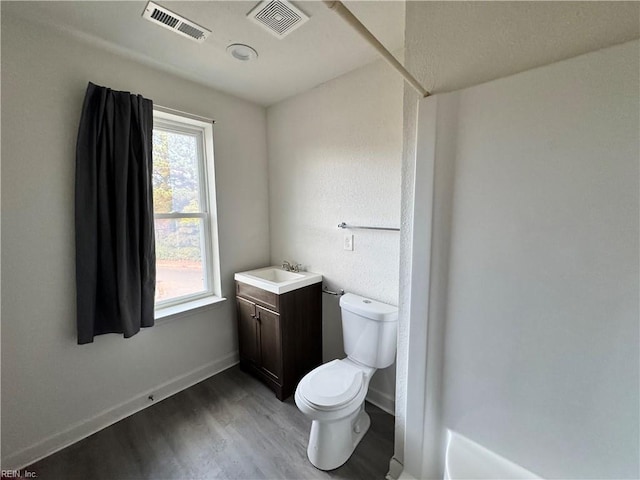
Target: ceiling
pixel 455 45
pixel 323 48
pixel 462 43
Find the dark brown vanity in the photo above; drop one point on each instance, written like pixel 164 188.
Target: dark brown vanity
pixel 280 335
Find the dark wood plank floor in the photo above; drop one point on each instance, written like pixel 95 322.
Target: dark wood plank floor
pixel 229 426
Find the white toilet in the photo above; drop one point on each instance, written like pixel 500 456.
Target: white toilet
pixel 333 394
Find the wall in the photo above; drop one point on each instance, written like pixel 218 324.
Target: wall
pixel 537 194
pixel 335 155
pixel 543 300
pixel 52 389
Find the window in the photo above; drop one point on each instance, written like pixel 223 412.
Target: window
pixel 185 224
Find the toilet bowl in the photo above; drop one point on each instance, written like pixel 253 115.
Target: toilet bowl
pixel 332 395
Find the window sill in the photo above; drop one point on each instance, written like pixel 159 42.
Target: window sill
pixel 185 309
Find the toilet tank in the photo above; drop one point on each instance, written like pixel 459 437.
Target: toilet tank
pixel 369 330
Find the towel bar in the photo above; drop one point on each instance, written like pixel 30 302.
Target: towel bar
pixel 344 225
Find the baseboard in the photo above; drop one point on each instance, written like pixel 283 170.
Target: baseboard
pixel 381 400
pixel 84 428
pixel 406 476
pixel 395 469
pixel 397 472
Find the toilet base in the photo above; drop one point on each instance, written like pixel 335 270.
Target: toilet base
pixel 332 443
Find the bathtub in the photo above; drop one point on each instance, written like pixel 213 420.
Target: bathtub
pixel 468 460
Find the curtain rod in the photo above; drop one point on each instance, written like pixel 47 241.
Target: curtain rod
pixel 338 7
pixel 192 116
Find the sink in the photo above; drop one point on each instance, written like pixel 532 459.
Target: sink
pixel 276 280
pixel 276 275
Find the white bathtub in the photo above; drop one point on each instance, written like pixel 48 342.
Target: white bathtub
pixel 468 460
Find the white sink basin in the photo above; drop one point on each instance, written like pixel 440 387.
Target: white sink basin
pixel 275 275
pixel 277 280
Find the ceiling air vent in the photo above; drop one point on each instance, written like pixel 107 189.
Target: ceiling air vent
pixel 167 19
pixel 278 17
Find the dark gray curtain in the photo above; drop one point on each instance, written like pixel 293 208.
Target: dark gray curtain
pixel 115 249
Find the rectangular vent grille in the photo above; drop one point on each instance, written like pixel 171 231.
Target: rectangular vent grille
pixel 169 20
pixel 165 18
pixel 278 17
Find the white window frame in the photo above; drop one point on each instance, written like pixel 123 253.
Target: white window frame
pixel 208 213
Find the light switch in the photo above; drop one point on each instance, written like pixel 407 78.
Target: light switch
pixel 348 241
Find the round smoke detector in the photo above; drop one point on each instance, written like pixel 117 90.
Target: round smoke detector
pixel 242 52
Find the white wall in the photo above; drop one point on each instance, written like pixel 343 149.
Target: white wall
pixel 335 155
pixel 542 327
pixel 541 295
pixel 52 389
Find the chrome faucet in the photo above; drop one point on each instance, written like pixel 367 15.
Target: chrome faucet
pixel 289 267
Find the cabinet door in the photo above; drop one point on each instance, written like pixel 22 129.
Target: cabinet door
pixel 270 342
pixel 248 331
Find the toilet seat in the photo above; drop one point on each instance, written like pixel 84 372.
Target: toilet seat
pixel 332 385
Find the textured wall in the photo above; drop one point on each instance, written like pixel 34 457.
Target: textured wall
pixel 540 207
pixel 451 45
pixel 334 155
pixel 48 382
pixel 543 291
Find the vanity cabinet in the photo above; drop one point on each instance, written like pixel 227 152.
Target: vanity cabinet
pixel 280 336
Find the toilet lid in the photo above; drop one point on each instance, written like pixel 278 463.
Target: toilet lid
pixel 332 384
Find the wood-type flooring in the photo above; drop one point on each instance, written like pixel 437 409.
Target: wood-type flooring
pixel 229 426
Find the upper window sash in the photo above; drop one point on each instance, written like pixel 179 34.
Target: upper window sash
pixel 199 134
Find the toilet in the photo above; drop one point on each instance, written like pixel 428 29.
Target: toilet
pixel 333 394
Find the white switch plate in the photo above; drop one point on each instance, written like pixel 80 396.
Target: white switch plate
pixel 348 241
